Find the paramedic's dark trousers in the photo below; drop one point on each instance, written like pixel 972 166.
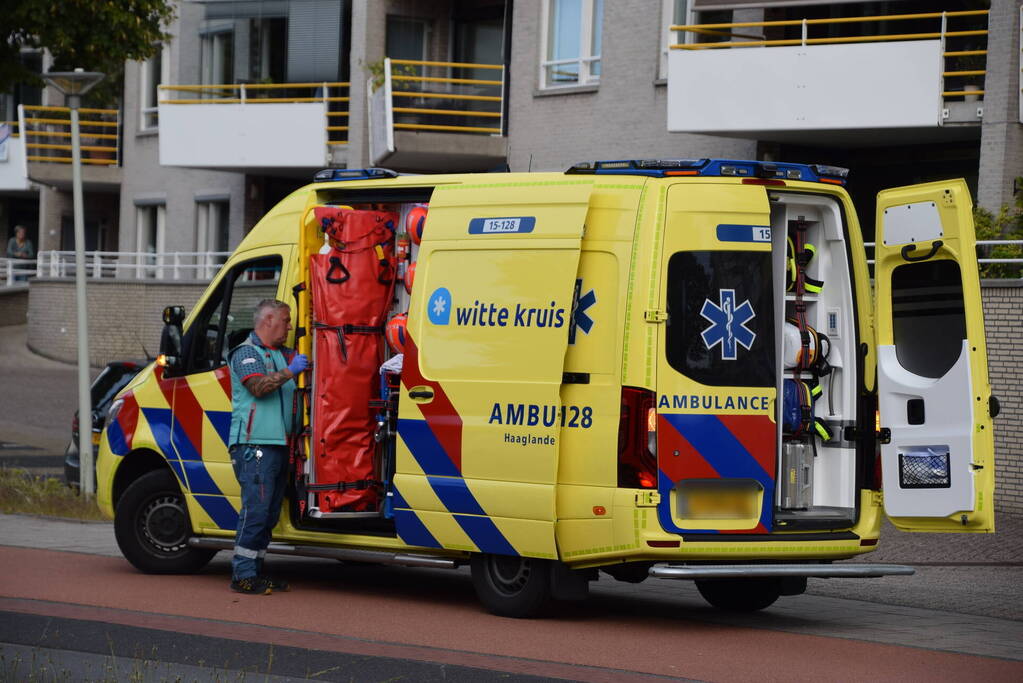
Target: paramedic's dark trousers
pixel 262 480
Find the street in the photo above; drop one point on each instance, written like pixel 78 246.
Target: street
pixel 70 599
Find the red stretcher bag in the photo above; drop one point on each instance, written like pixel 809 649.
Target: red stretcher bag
pixel 352 286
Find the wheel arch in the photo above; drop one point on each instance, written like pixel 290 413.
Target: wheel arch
pixel 135 464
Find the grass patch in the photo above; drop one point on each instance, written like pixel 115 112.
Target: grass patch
pixel 27 494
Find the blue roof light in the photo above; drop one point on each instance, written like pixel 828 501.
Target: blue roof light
pixel 764 170
pixel 329 175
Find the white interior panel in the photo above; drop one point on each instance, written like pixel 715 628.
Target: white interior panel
pixel 948 423
pixel 908 223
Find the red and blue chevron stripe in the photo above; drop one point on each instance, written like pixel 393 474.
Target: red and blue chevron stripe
pixel 715 447
pixel 436 444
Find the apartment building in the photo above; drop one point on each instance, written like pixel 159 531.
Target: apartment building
pixel 251 97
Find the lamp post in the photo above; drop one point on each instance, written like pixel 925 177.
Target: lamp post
pixel 74 84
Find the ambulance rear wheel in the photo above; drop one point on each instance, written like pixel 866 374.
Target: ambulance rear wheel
pixel 152 527
pixel 511 586
pixel 740 595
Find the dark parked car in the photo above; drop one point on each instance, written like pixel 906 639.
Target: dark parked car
pixel 114 377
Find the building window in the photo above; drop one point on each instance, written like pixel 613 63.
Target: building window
pixel 153 73
pixel 217 55
pixel 572 38
pixel 211 236
pixel 149 239
pixel 672 12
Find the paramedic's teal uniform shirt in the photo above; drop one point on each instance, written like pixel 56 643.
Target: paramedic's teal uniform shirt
pixel 265 420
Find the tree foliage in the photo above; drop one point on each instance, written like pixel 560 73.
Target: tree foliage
pixel 1007 224
pixel 95 35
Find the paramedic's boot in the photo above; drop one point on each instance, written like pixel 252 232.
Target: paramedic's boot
pixel 253 585
pixel 276 583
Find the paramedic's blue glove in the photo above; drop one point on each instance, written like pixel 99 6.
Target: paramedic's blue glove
pixel 299 363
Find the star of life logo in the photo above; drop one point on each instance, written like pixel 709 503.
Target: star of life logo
pixel 728 324
pixel 580 318
pixel 439 308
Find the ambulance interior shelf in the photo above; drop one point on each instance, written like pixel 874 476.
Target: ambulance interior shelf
pixel 360 280
pixel 817 469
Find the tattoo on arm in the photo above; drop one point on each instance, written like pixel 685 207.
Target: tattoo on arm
pixel 261 385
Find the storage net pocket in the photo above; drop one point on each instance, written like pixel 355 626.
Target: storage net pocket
pixel 925 467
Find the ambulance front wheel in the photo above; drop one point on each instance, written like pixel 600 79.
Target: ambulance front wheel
pixel 740 595
pixel 152 527
pixel 511 586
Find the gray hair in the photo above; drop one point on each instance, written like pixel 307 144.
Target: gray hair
pixel 264 307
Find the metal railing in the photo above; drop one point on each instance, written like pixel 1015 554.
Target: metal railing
pixel 964 59
pixel 180 265
pixel 447 97
pixel 14 127
pixel 47 132
pixel 334 95
pixel 981 244
pixel 15 271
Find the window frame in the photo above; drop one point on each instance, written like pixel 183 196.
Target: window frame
pixel 669 9
pixel 586 58
pixel 149 99
pixel 146 223
pixel 210 212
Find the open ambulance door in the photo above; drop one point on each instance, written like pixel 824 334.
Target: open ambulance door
pixel 933 391
pixel 480 415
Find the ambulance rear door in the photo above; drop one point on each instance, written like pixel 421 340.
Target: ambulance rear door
pixel 933 391
pixel 716 364
pixel 480 416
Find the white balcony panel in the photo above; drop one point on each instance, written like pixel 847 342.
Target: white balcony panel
pixel 817 87
pixel 13 169
pixel 243 135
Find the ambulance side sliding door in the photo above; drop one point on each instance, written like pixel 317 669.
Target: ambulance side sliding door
pixel 480 412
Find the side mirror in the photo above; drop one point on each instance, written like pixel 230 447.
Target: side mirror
pixel 174 315
pixel 170 338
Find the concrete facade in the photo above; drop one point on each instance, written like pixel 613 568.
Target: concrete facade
pixel 146 182
pixel 1001 144
pixel 624 116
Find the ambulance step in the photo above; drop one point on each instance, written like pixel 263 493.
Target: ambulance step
pixel 317 513
pixel 743 571
pixel 345 554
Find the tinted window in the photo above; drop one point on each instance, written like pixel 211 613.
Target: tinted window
pixel 213 332
pixel 720 328
pixel 110 381
pixel 928 316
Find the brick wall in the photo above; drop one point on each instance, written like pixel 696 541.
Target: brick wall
pixel 1003 322
pixel 13 305
pixel 124 316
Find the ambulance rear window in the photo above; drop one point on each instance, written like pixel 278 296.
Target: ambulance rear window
pixel 720 329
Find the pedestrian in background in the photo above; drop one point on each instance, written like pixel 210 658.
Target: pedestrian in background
pixel 263 371
pixel 20 247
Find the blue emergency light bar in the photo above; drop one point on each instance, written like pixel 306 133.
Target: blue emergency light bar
pixel 764 170
pixel 329 175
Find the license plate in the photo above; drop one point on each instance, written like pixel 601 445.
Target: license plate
pixel 718 503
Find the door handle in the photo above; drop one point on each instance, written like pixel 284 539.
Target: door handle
pixel 421 394
pixel 909 248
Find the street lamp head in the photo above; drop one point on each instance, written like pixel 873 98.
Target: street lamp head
pixel 73 84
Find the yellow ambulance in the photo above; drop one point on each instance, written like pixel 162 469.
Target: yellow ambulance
pixel 680 369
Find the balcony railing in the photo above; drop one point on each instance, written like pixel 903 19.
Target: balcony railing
pixel 47 132
pixel 446 97
pixel 964 49
pixel 180 265
pixel 334 95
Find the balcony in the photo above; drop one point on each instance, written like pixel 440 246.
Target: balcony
pixel 39 148
pixel 437 116
pixel 835 81
pixel 285 128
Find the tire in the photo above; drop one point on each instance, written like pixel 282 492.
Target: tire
pixel 510 586
pixel 152 527
pixel 740 595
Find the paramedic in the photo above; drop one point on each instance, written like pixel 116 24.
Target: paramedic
pixel 262 388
